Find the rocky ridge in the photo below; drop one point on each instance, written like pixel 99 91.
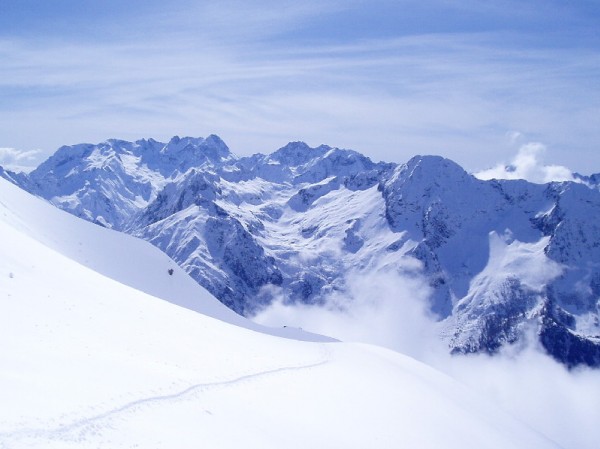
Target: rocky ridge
pixel 500 257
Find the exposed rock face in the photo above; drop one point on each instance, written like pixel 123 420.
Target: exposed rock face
pixel 501 257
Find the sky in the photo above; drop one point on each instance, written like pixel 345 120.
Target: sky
pixel 473 81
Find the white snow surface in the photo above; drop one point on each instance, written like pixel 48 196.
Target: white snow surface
pixel 90 360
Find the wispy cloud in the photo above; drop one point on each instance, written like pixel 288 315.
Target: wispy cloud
pixel 19 161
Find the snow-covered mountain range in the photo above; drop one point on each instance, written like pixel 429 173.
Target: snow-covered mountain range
pixel 107 343
pixel 500 257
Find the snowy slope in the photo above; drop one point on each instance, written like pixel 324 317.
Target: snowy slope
pixel 89 361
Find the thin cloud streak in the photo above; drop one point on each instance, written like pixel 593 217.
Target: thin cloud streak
pixel 19 161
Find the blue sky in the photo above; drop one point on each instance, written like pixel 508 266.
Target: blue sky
pixel 470 80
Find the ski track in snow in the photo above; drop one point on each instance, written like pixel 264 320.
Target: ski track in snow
pixel 77 430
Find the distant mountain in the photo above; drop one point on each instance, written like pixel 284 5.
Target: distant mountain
pixel 501 257
pixel 592 181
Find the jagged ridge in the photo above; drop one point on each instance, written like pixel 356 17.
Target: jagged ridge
pixel 500 256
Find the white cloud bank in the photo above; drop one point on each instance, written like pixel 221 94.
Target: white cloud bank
pixel 17 160
pixel 382 308
pixel 390 309
pixel 528 164
pixel 560 404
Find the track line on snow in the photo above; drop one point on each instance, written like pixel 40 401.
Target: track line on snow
pixel 89 424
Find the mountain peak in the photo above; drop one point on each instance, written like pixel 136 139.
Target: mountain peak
pixel 197 150
pixel 432 171
pixel 434 165
pixel 298 153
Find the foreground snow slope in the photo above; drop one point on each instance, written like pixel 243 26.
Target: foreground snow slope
pixel 87 361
